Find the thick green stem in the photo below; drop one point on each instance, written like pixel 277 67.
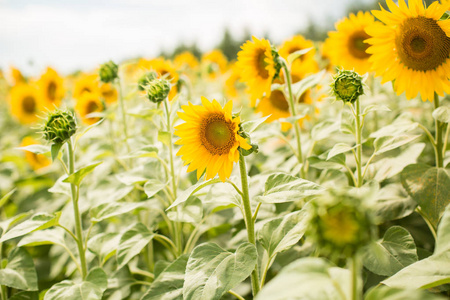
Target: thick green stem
pixel 122 112
pixel 287 75
pixel 358 134
pixel 266 269
pixel 76 212
pixel 439 145
pixel 250 225
pixel 356 294
pixel 3 293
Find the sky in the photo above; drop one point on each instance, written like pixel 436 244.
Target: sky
pixel 72 35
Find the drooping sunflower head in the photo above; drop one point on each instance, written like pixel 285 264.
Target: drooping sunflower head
pixel 16 76
pixel 109 93
pixel 347 45
pixel 87 83
pixel 51 86
pixel 258 68
pixel 412 47
pixel 87 104
pixel 26 102
pixel 209 138
pixel 36 161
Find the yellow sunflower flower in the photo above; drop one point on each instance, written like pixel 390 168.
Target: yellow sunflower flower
pixel 257 66
pixel 303 65
pixel 233 82
pixel 412 47
pixel 109 93
pixel 51 86
pixel 89 103
pixel 87 83
pixel 185 60
pixel 25 103
pixel 209 138
pixel 36 161
pixel 347 45
pixel 16 76
pixel 215 62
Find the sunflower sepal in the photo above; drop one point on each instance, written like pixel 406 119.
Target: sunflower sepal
pixel 254 149
pixel 278 63
pixel 146 79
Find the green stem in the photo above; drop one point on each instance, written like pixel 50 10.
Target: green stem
pixel 287 75
pixel 250 225
pixel 358 134
pixel 4 293
pixel 447 132
pixel 166 242
pixel 124 118
pixel 266 269
pixel 236 295
pixel 438 139
pixel 76 212
pixel 430 226
pixel 356 295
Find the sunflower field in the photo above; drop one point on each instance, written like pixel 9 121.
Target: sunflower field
pixel 303 170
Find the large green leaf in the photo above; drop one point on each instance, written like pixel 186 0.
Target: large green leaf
pixel 153 186
pixel 212 271
pixel 323 130
pixel 91 289
pixel 392 203
pixel 169 284
pixel 104 245
pixel 192 190
pixel 282 187
pixel 429 187
pixel 442 114
pixel 391 254
pixel 387 143
pixel 431 271
pixel 388 293
pixel 282 233
pixel 132 242
pixel 190 211
pixel 25 296
pixel 36 222
pixel 79 175
pixel 19 272
pixel 112 209
pixel 308 278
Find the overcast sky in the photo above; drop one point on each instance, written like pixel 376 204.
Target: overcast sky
pixel 71 35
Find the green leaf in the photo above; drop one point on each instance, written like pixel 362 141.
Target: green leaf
pixel 153 186
pixel 429 187
pixel 294 55
pixel 308 278
pixel 392 203
pixel 324 130
pixel 192 190
pixel 335 162
pixel 347 122
pixel 132 242
pixel 387 143
pixel 391 254
pixel 212 271
pixel 282 187
pixel 300 87
pixel 443 233
pixel 250 126
pixel 5 225
pixel 169 284
pixel 111 209
pixel 164 137
pixel 91 289
pixel 19 272
pixel 36 149
pixel 5 198
pixel 190 211
pixel 387 293
pixel 56 147
pixel 442 114
pixel 78 176
pixel 104 245
pixel 44 237
pixel 36 222
pixel 375 107
pixel 338 149
pixel 281 233
pixel 25 296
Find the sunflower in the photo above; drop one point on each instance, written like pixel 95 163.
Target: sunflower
pixel 185 60
pixel 164 68
pixel 89 103
pixel 304 64
pixel 36 161
pixel 215 62
pixel 257 66
pixel 109 93
pixel 232 83
pixel 347 45
pixel 51 87
pixel 412 47
pixel 26 102
pixel 87 83
pixel 16 76
pixel 209 138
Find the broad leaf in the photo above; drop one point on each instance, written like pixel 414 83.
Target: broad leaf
pixel 164 137
pixel 387 143
pixel 282 187
pixel 169 284
pixel 19 272
pixel 250 126
pixel 323 130
pixel 56 147
pixel 153 186
pixel 132 242
pixel 25 296
pixel 36 149
pixel 192 190
pixel 392 203
pixel 388 293
pixel 442 114
pixel 104 245
pixel 391 254
pixel 112 209
pixel 78 176
pixel 36 222
pixel 191 211
pixel 212 271
pixel 338 149
pixel 375 107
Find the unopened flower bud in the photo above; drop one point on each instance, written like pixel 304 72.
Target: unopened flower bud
pixel 157 90
pixel 59 127
pixel 145 79
pixel 108 72
pixel 347 86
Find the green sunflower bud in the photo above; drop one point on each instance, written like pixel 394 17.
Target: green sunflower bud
pixel 157 90
pixel 341 225
pixel 276 59
pixel 108 72
pixel 59 127
pixel 145 79
pixel 347 86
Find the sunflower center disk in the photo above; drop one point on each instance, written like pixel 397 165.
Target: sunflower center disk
pixel 51 91
pixel 92 107
pixel 217 134
pixel 261 64
pixel 278 100
pixel 356 45
pixel 29 104
pixel 422 45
